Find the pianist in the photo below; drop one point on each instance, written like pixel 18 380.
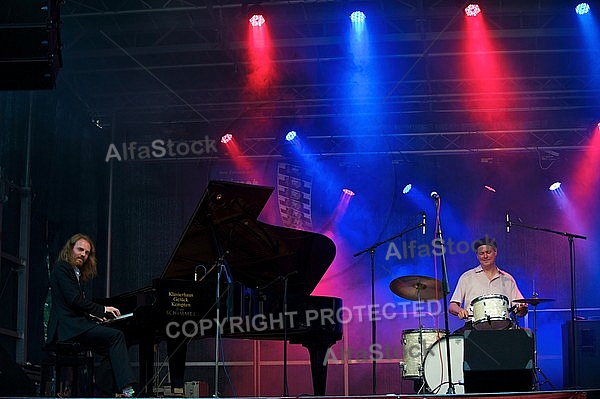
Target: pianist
pixel 74 317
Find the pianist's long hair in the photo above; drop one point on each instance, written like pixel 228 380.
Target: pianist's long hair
pixel 88 269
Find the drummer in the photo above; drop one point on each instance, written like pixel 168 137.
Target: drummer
pixel 485 279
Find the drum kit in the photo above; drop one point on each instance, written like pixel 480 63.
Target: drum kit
pixel 425 349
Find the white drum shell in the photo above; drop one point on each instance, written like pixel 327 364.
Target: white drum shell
pixel 414 353
pixel 436 365
pixel 491 312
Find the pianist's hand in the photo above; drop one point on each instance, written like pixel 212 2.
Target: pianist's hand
pixel 112 312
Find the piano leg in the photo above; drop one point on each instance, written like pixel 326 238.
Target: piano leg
pixel 177 351
pixel 146 357
pixel 318 366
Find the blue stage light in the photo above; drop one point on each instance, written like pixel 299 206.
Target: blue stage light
pixel 582 8
pixel 357 17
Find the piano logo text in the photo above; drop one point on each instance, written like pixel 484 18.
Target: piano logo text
pixel 180 300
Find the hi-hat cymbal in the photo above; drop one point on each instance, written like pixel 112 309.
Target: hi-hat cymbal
pixel 416 288
pixel 533 301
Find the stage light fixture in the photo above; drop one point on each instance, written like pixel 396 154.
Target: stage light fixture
pixel 582 8
pixel 489 188
pixel 256 16
pixel 97 123
pixel 290 136
pixel 407 188
pixel 357 17
pixel 472 10
pixel 555 186
pixel 348 192
pixel 226 138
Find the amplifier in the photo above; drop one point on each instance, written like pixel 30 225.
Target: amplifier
pixel 586 356
pixel 498 361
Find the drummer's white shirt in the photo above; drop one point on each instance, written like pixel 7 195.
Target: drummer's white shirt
pixel 474 283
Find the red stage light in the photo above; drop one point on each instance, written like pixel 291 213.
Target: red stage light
pixel 472 10
pixel 257 20
pixel 226 138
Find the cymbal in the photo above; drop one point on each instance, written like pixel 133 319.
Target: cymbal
pixel 414 288
pixel 533 301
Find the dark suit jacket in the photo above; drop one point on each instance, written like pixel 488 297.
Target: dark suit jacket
pixel 70 305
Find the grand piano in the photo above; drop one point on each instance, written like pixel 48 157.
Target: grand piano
pixel 255 279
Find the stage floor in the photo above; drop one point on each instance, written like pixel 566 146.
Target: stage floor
pixel 565 394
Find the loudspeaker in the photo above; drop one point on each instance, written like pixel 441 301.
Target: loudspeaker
pixel 30 44
pixel 586 356
pixel 498 361
pixel 13 380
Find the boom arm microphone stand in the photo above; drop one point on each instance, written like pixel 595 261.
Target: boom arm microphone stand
pixel 371 250
pixel 570 238
pixel 445 287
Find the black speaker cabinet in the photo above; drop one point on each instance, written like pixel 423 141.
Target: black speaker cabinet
pixel 586 356
pixel 498 361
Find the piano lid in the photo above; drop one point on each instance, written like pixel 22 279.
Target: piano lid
pixel 225 225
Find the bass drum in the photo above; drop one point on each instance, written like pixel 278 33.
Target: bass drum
pixel 436 365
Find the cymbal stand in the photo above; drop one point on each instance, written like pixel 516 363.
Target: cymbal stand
pixel 371 251
pixel 570 237
pixel 421 343
pixel 536 368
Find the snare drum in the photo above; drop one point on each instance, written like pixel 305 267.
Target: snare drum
pixel 436 365
pixel 491 312
pixel 414 352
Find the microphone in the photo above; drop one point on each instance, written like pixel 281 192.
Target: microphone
pixel 507 223
pixel 423 215
pixel 196 272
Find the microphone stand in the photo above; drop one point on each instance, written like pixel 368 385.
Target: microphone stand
pixel 222 268
pixel 445 292
pixel 570 238
pixel 371 250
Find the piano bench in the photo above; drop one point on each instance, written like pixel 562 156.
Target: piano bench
pixel 67 356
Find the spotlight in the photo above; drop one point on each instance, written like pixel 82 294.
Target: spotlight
pixel 290 136
pixel 348 192
pixel 226 138
pixel 357 17
pixel 489 188
pixel 472 10
pixel 407 188
pixel 256 16
pixel 582 8
pixel 554 186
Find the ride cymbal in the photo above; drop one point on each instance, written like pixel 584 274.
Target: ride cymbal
pixel 533 301
pixel 416 288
